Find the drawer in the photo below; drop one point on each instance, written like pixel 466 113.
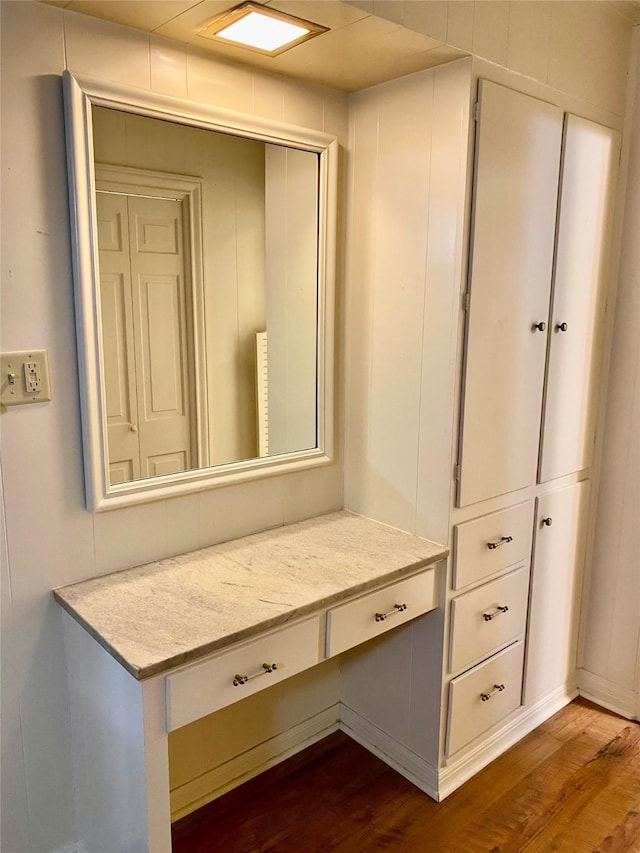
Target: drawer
pixel 491 543
pixel 360 620
pixel 483 696
pixel 488 618
pixel 198 690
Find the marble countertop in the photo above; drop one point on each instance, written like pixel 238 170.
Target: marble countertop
pixel 155 617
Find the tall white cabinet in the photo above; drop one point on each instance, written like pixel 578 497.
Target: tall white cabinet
pixel 531 312
pixel 543 202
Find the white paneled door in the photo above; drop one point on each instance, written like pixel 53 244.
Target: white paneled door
pixel 144 328
pixel 117 338
pixel 589 173
pixel 518 149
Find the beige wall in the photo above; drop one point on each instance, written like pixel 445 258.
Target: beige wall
pixel 578 48
pixel 611 630
pixel 41 445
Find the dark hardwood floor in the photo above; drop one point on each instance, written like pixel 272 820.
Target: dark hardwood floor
pixel 572 785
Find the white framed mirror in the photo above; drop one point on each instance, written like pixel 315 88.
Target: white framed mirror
pixel 204 263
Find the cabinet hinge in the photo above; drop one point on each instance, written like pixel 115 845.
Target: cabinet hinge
pixel 476 111
pixel 457 472
pixel 466 301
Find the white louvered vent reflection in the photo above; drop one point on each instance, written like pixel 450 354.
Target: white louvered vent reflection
pixel 262 392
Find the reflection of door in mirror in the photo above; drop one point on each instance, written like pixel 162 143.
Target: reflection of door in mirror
pixel 248 235
pixel 143 279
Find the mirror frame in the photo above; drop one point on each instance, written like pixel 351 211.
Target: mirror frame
pixel 80 95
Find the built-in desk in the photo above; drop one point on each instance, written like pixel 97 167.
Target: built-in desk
pixel 153 648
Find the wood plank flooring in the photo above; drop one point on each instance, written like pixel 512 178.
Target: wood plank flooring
pixel 572 785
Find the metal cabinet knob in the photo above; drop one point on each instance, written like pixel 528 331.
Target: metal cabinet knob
pixel 561 327
pixel 547 521
pixel 540 326
pixel 133 427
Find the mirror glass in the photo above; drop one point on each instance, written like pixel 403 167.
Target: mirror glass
pixel 204 246
pixel 207 255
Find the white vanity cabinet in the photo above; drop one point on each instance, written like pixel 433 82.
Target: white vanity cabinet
pixel 236 618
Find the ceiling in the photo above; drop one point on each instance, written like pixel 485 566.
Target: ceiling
pixel 359 50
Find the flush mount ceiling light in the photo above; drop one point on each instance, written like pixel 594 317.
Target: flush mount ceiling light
pixel 260 28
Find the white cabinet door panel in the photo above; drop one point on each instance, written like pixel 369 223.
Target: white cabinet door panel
pixel 552 637
pixel 587 197
pixel 516 189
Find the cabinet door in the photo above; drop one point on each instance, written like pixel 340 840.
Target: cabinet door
pixel 589 172
pixel 516 189
pixel 554 605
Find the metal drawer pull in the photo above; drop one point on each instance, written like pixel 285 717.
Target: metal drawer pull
pixel 547 521
pixel 397 608
pixel 497 688
pixel 242 679
pixel 502 541
pixel 539 326
pixel 561 327
pixel 493 613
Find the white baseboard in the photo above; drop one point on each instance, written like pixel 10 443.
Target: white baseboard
pixel 458 771
pixel 202 790
pixel 424 775
pixel 407 763
pixel 611 696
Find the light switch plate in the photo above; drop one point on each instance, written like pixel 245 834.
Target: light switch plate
pixel 24 377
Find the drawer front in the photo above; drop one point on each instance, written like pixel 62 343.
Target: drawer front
pixel 488 618
pixel 198 690
pixel 355 622
pixel 489 544
pixel 476 701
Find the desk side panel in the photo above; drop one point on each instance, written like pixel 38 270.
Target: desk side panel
pixel 120 752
